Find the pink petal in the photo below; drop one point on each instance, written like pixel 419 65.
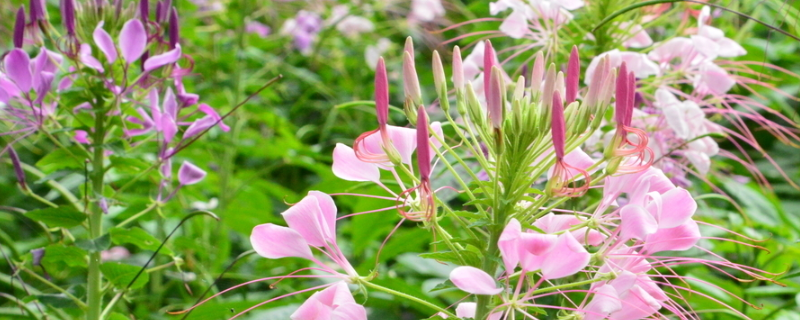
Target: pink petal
pixel 537 243
pixel 105 43
pixel 405 141
pixel 474 280
pixel 170 104
pixel 516 25
pixel 566 258
pixel 168 127
pixel 350 311
pixel 312 309
pixel 729 48
pixel 509 245
pixel 312 219
pixel 604 301
pixel 638 304
pixel 551 223
pixel 678 206
pixel 80 136
pixel 163 59
pixel 637 223
pixel 190 173
pixel 274 242
pixel 336 295
pixel 348 167
pixel 86 57
pixel 679 238
pixel 18 69
pixel 132 40
pixel 466 309
pixel 199 126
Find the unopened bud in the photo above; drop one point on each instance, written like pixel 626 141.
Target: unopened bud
pixel 423 145
pixel 411 87
pixel 381 94
pixel 68 15
pixel 558 127
pixel 19 28
pixel 174 28
pixel 17 167
pixel 458 70
pixel 439 80
pixel 573 75
pixel 537 73
pixel 473 106
pixel 488 63
pixel 37 11
pixel 495 98
pixel 519 88
pixel 144 12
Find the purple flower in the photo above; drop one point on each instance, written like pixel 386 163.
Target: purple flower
pixel 258 28
pixel 190 174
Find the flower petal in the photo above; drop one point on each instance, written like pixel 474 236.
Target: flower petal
pixel 637 223
pixel 604 301
pixel 516 25
pixel 474 280
pixel 509 245
pixel 678 206
pixel 163 59
pixel 314 217
pixel 679 238
pixel 18 69
pixel 348 167
pixel 132 40
pixel 566 258
pixel 274 242
pixel 190 173
pixel 105 43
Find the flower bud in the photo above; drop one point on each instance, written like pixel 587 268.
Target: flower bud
pixel 439 80
pixel 411 87
pixel 144 12
pixel 381 95
pixel 547 90
pixel 174 28
pixel 488 63
pixel 558 126
pixel 473 106
pixel 573 75
pixel 17 167
pixel 621 103
pixel 519 88
pixel 19 28
pixel 68 15
pixel 37 12
pixel 458 70
pixel 423 145
pixel 409 48
pixel 537 73
pixel 495 98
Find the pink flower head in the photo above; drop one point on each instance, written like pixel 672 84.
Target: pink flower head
pixel 311 223
pixel 554 256
pixel 333 303
pixel 474 280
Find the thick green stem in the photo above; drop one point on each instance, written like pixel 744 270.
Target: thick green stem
pixel 94 295
pixel 489 265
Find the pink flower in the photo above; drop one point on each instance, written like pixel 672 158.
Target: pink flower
pixel 312 223
pixel 333 303
pixel 554 256
pixel 474 280
pixel 427 10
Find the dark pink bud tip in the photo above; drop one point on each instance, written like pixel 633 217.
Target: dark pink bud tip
pixel 144 11
pixel 573 75
pixel 19 28
pixel 381 94
pixel 423 146
pixel 621 95
pixel 174 28
pixel 37 10
pixel 68 14
pixel 558 127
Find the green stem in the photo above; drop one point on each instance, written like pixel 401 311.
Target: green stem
pixel 567 285
pixel 57 288
pixel 94 296
pixel 409 297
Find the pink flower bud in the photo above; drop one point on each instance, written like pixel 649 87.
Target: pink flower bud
pixel 19 28
pixel 68 15
pixel 488 63
pixel 538 73
pixel 458 69
pixel 494 98
pixel 190 174
pixel 381 94
pixel 558 127
pixel 438 73
pixel 621 96
pixel 37 12
pixel 573 75
pixel 423 145
pixel 17 167
pixel 410 80
pixel 174 28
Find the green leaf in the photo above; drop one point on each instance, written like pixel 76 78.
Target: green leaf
pixel 121 275
pixel 59 256
pixel 117 316
pixel 63 217
pixel 128 165
pixel 447 284
pixel 69 158
pixel 95 245
pixel 138 237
